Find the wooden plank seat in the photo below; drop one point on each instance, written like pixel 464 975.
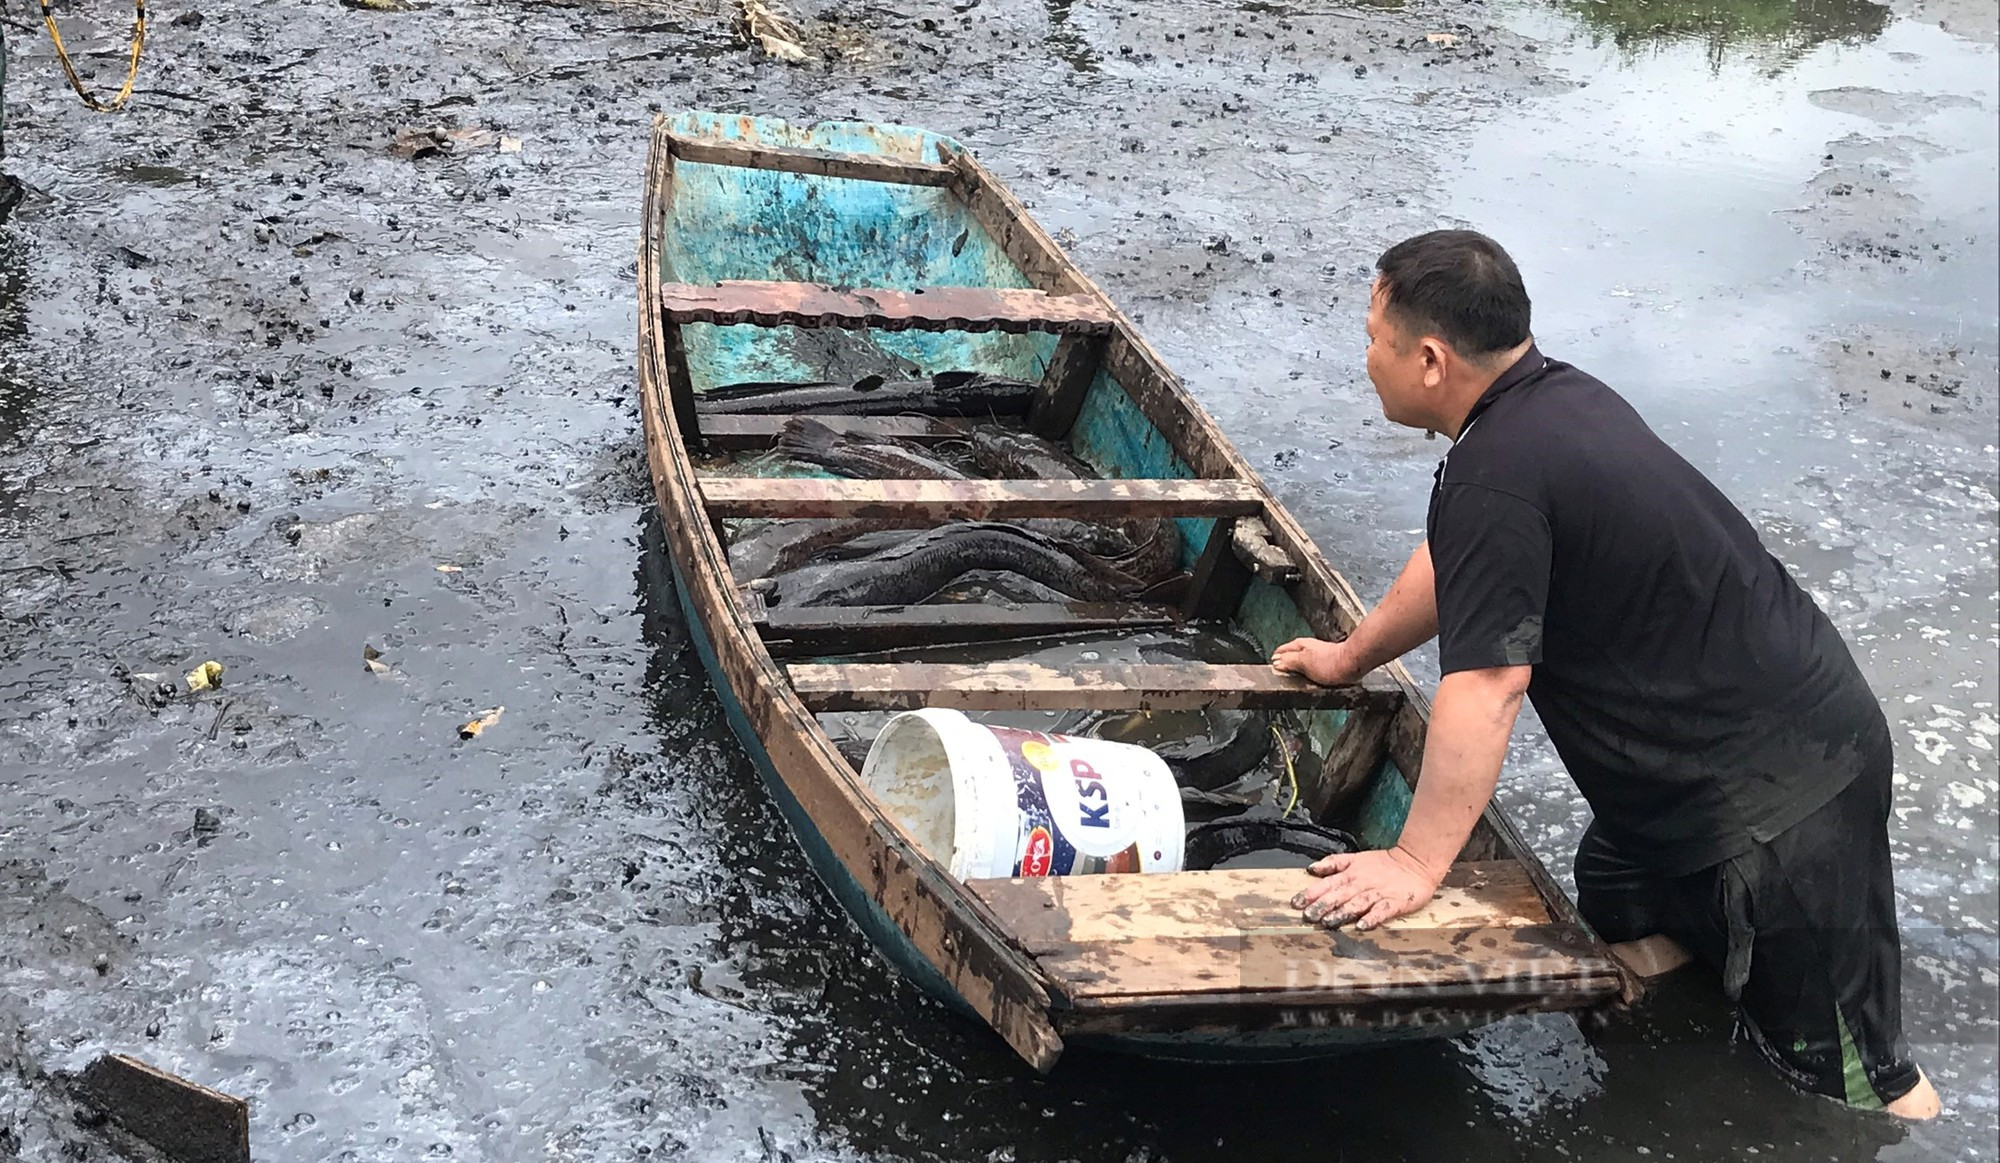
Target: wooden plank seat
pixel 790 632
pixel 977 500
pixel 811 162
pixel 1027 686
pixel 735 433
pixel 1123 940
pixel 773 304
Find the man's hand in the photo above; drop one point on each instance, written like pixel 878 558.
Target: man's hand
pixel 1319 661
pixel 1367 888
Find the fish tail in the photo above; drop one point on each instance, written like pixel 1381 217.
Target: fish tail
pixel 804 438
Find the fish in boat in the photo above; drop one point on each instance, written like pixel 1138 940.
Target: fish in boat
pixel 1147 550
pixel 1009 454
pixel 928 561
pixel 814 442
pixel 944 394
pixel 778 546
pixel 790 545
pixel 1152 549
pixel 757 232
pixel 782 546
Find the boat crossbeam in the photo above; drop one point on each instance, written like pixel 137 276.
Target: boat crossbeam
pixel 810 162
pixel 1027 686
pixel 978 500
pixel 974 309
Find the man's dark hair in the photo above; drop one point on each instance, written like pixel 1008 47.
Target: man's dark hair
pixel 1459 286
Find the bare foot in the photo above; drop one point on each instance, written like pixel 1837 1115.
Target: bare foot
pixel 1921 1103
pixel 1651 956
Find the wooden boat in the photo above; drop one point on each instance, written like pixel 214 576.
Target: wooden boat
pixel 758 237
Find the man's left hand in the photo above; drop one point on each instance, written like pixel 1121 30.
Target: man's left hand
pixel 1365 889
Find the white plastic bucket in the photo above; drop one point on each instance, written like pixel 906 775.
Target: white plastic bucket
pixel 1001 801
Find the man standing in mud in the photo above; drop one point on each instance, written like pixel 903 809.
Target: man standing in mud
pixel 1735 761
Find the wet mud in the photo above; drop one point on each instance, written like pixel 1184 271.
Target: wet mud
pixel 272 393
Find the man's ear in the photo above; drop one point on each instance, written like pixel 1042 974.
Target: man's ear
pixel 1434 353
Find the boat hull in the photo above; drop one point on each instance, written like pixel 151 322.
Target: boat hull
pixel 1208 970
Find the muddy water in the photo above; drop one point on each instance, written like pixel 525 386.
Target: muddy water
pixel 259 379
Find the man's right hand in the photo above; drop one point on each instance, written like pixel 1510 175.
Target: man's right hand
pixel 1320 661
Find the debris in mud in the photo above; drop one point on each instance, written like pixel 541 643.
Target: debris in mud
pixel 215 727
pixel 371 660
pixel 472 728
pixel 778 37
pixel 380 5
pixel 188 1122
pixel 207 676
pixel 448 568
pixel 1442 39
pixel 150 689
pixel 413 141
pixel 510 144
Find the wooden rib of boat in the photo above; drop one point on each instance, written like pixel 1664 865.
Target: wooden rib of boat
pixel 761 241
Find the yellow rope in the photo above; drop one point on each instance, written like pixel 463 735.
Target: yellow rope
pixel 69 69
pixel 1291 773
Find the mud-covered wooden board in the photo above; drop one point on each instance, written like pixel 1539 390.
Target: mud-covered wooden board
pixel 1028 686
pixel 1326 968
pixel 817 163
pixel 187 1121
pixel 1134 937
pixel 1044 913
pixel 978 500
pixel 775 304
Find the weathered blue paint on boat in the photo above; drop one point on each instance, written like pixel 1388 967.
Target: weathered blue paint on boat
pixel 757 224
pixel 1112 436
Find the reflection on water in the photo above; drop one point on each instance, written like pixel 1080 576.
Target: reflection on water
pixel 1776 33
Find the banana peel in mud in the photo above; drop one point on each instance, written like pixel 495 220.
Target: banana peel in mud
pixel 472 728
pixel 207 676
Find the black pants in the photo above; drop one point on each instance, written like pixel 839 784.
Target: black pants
pixel 1802 930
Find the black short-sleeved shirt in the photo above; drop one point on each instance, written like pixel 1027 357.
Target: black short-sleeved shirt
pixel 1698 696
